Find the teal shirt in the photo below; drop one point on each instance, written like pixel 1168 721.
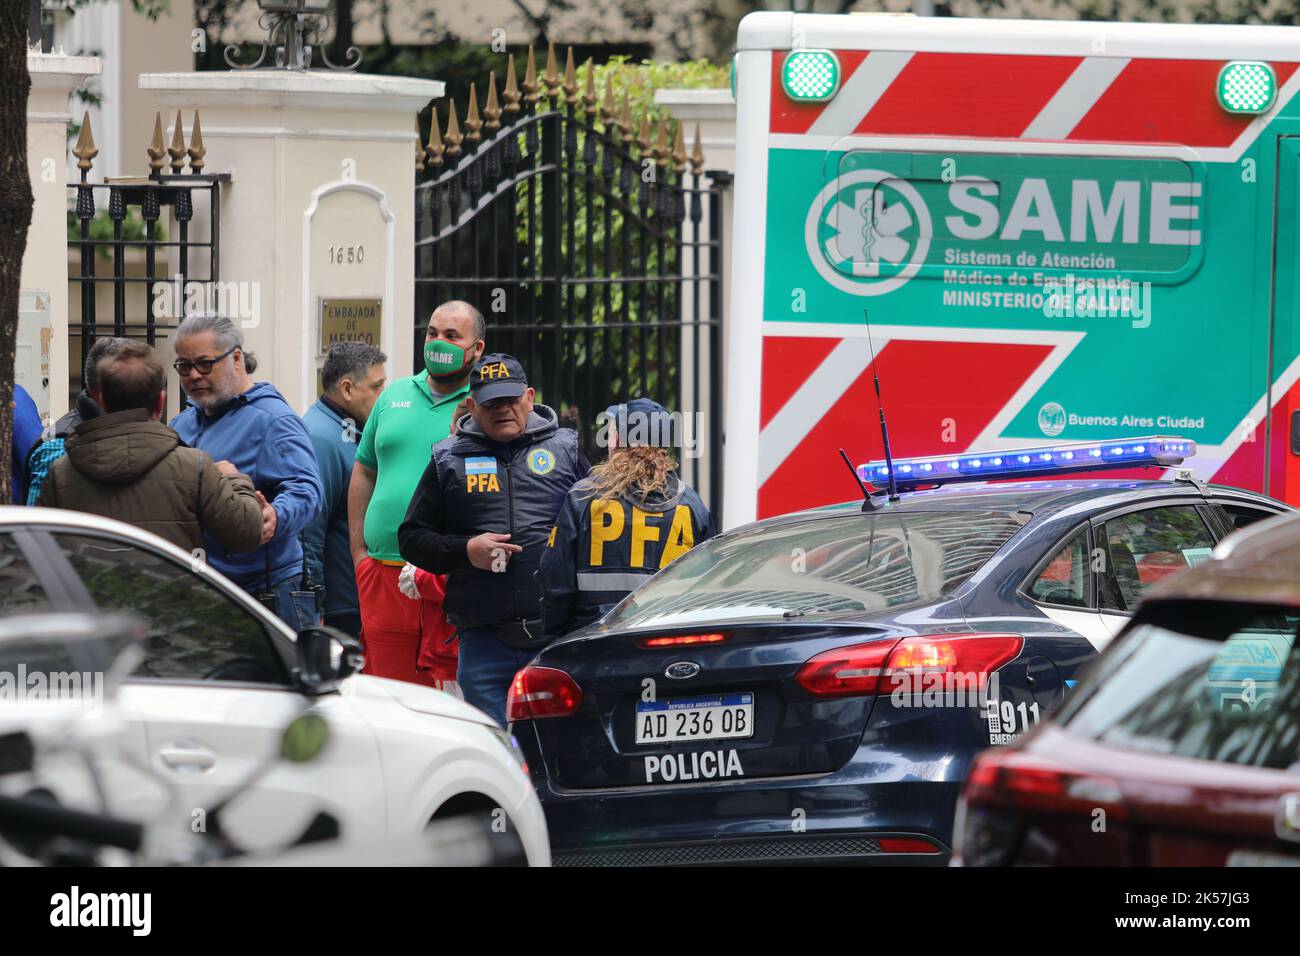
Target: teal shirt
pixel 397 443
pixel 325 539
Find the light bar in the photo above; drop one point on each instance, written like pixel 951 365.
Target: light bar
pixel 1159 451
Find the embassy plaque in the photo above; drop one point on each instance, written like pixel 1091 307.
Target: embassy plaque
pixel 350 320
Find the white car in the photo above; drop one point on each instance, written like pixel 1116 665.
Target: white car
pixel 222 677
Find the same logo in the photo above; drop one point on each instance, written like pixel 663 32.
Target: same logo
pixel 868 232
pixel 540 461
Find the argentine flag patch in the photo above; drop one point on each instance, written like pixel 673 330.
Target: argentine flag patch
pixel 480 466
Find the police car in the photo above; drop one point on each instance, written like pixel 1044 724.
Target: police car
pixel 814 687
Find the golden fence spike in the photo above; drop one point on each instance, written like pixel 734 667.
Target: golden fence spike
pixel 570 79
pixel 435 148
pixel 512 86
pixel 453 137
pixel 679 149
pixel 607 104
pixel 492 108
pixel 155 148
pixel 552 76
pixel 589 90
pixel 419 148
pixel 85 150
pixel 197 150
pixel 530 77
pixel 472 122
pixel 177 149
pixel 661 144
pixel 697 153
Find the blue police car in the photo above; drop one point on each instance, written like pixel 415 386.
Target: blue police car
pixel 813 687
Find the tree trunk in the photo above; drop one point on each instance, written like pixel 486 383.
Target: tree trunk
pixel 15 211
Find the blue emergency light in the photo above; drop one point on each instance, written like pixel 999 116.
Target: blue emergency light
pixel 1159 451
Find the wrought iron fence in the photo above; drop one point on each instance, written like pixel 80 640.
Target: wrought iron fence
pixel 135 220
pixel 594 252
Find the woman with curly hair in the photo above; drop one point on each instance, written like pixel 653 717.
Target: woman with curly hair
pixel 629 518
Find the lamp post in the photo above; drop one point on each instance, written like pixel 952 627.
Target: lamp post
pixel 293 28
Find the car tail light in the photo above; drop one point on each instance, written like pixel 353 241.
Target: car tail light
pixel 907 845
pixel 680 640
pixel 882 666
pixel 538 692
pixel 1026 782
pixel 853 671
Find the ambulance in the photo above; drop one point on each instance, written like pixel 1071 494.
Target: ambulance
pixel 1043 232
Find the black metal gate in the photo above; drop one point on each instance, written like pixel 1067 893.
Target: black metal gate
pixel 594 254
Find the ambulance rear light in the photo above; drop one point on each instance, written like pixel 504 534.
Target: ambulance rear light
pixel 1157 451
pixel 680 640
pixel 810 76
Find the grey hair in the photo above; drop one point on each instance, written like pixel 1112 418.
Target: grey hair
pixel 349 360
pixel 103 347
pixel 225 335
pixel 460 305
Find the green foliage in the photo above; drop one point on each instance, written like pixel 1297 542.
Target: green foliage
pixel 641 80
pixel 101 228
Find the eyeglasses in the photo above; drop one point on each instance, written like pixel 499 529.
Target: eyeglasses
pixel 204 366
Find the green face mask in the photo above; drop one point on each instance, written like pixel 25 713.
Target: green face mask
pixel 442 358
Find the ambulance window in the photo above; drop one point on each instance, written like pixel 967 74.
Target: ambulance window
pixel 1065 578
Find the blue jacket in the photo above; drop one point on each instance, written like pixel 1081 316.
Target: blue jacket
pixel 261 436
pixel 604 548
pixel 27 432
pixel 329 555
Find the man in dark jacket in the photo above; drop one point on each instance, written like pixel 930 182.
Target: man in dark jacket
pixel 126 464
pixel 43 456
pixel 482 513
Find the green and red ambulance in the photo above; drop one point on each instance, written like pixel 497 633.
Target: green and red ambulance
pixel 1059 231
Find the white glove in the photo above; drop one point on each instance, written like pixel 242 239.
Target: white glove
pixel 406 582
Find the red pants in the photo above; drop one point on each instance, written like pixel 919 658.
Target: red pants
pixel 390 624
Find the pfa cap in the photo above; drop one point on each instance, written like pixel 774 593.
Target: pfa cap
pixel 641 421
pixel 497 375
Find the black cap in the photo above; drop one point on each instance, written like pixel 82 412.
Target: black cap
pixel 497 375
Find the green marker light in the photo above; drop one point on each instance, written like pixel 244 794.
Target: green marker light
pixel 1247 86
pixel 811 75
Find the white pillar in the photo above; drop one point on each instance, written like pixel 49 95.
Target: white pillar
pixel 321 203
pixel 715 113
pixel 44 281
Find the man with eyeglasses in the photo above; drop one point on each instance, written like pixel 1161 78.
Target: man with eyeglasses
pixel 482 513
pixel 250 425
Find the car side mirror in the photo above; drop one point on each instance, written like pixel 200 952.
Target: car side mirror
pixel 325 658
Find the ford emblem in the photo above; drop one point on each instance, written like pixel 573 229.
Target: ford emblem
pixel 680 670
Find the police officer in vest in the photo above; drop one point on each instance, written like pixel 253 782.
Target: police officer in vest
pixel 632 517
pixel 481 515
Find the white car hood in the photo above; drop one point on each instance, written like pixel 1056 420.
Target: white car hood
pixel 423 700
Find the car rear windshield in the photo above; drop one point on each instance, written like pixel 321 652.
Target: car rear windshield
pixel 858 562
pixel 1210 681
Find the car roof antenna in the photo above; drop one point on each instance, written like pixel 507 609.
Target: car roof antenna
pixel 867 503
pixel 884 429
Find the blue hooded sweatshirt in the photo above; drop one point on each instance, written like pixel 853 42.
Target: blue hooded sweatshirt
pixel 261 436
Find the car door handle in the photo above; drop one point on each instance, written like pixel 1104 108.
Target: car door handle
pixel 187 755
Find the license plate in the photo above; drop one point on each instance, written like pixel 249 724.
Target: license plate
pixel 719 717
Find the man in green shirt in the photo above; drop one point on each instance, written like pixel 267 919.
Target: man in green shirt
pixel 409 417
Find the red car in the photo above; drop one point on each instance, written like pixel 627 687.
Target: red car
pixel 1181 747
